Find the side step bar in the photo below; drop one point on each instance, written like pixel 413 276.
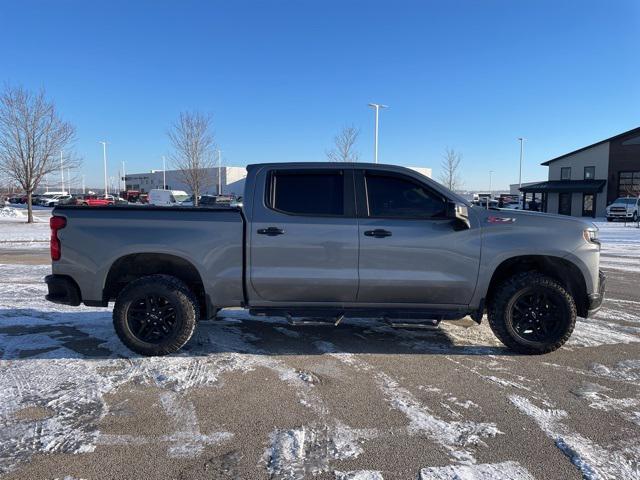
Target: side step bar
pixel 430 324
pixel 433 324
pixel 314 321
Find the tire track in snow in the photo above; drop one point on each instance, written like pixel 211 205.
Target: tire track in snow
pixel 593 461
pixel 455 436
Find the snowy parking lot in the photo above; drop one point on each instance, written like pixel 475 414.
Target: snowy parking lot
pixel 253 397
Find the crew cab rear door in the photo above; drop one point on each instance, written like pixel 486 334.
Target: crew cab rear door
pixel 409 251
pixel 304 236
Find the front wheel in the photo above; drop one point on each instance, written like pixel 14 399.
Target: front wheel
pixel 532 313
pixel 155 315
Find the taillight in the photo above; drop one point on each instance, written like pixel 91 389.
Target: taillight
pixel 56 223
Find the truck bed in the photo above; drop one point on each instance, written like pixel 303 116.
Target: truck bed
pixel 97 240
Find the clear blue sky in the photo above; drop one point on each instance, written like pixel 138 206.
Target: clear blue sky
pixel 280 78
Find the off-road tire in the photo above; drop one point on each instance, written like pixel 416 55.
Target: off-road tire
pixel 175 291
pixel 500 312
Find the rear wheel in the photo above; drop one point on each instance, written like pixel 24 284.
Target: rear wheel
pixel 155 315
pixel 532 313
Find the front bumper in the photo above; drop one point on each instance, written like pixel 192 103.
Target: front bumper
pixel 596 299
pixel 63 290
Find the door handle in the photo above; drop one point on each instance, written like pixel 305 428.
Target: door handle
pixel 271 231
pixel 378 233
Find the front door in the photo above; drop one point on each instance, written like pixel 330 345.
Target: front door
pixel 564 204
pixel 304 237
pixel 409 251
pixel 588 205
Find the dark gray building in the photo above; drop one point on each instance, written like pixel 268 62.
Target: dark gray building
pixel 585 181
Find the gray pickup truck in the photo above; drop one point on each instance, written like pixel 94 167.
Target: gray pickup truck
pixel 329 240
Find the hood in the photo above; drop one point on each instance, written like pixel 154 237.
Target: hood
pixel 528 218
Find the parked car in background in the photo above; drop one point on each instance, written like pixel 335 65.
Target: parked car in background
pixel 624 208
pixel 330 240
pixel 167 197
pixel 46 199
pixel 65 200
pixel 207 201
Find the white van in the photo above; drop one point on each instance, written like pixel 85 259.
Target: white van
pixel 167 197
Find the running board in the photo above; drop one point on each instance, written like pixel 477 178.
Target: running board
pixel 316 322
pixel 432 324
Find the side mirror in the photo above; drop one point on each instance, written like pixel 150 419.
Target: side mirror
pixel 458 212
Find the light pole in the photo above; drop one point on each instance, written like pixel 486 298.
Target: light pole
pixel 61 172
pixel 520 177
pixel 489 199
pixel 124 179
pixel 164 173
pixel 104 159
pixel 219 172
pixel 83 192
pixel 376 107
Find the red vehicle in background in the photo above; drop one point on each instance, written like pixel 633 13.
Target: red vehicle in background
pixel 93 200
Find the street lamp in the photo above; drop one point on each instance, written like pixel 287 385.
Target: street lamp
pixel 376 107
pixel 489 199
pixel 219 172
pixel 104 159
pixel 61 172
pixel 520 177
pixel 164 173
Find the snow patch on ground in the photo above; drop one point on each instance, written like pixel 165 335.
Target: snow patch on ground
pixel 16 233
pixel 10 212
pixel 453 436
pixel 484 471
pixel 359 475
pixel 628 370
pixel 309 450
pixel 593 461
pixel 594 332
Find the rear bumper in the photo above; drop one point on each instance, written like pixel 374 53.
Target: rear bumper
pixel 62 290
pixel 596 299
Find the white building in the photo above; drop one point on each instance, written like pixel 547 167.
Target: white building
pixel 423 170
pixel 232 181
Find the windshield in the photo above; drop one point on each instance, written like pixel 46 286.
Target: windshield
pixel 181 197
pixel 626 201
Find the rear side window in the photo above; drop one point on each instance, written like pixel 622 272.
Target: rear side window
pixel 396 197
pixel 307 193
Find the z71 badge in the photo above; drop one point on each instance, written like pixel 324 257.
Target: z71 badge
pixel 501 219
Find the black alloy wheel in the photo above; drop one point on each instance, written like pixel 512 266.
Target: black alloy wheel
pixel 532 313
pixel 156 314
pixel 538 315
pixel 152 318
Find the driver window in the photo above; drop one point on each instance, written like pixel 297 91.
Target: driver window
pixel 396 197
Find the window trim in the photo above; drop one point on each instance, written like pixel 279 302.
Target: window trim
pixel 585 172
pixel 362 199
pixel 348 202
pixel 563 169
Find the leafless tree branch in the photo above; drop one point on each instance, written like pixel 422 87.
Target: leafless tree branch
pixel 450 165
pixel 32 135
pixel 344 146
pixel 193 145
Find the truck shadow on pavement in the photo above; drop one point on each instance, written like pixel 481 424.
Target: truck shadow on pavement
pixel 38 334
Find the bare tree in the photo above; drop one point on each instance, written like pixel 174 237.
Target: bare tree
pixel 32 135
pixel 450 165
pixel 344 143
pixel 193 146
